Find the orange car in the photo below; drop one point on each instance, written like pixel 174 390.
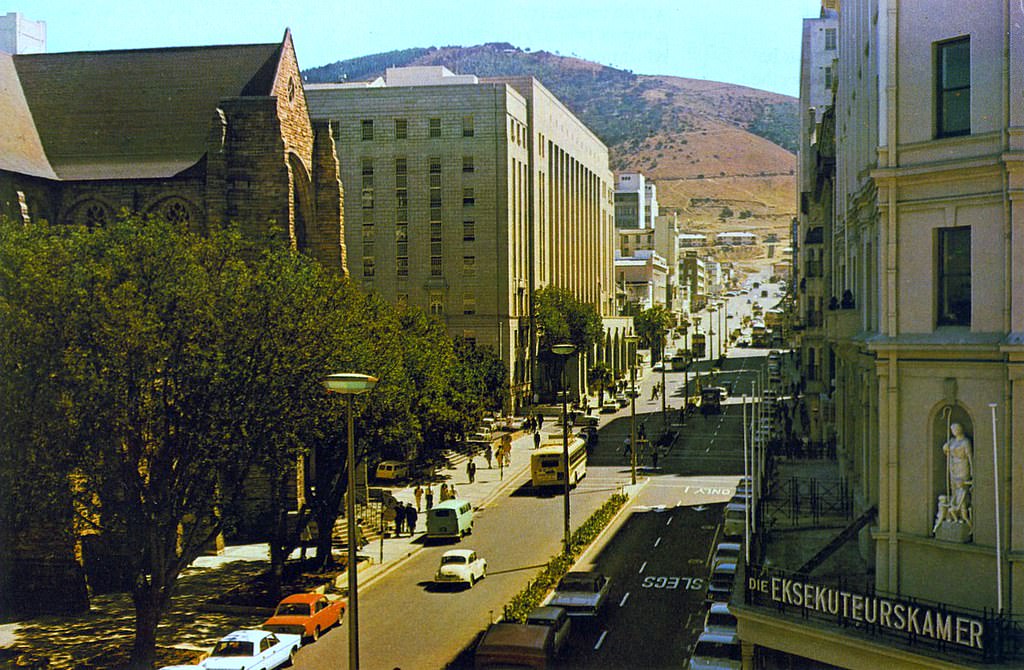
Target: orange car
pixel 305 614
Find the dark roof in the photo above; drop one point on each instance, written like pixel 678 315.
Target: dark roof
pixel 20 148
pixel 135 113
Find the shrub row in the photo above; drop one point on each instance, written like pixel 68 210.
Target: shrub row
pixel 531 596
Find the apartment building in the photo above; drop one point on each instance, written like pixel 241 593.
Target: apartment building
pixel 922 337
pixel 636 201
pixel 466 195
pixel 19 35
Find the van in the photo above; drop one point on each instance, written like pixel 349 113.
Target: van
pixel 514 645
pixel 735 523
pixel 450 519
pixel 392 470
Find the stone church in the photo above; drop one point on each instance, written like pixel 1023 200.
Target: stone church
pixel 202 136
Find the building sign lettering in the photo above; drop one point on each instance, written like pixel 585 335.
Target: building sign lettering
pixel 895 615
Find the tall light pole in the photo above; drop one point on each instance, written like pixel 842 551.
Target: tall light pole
pixel 350 384
pixel 563 351
pixel 664 391
pixel 632 340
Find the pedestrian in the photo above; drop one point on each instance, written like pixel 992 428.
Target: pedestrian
pixel 411 518
pixel 626 448
pixel 489 454
pixel 430 496
pixel 536 440
pixel 360 537
pixel 452 495
pixel 399 519
pixel 540 421
pixel 444 492
pixel 471 470
pixel 418 494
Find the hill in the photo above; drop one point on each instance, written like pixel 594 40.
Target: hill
pixel 711 147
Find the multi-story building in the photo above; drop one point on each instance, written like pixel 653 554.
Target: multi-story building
pixel 923 269
pixel 634 196
pixel 19 35
pixel 694 277
pixel 643 277
pixel 466 196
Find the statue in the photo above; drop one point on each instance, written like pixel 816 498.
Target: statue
pixel 954 517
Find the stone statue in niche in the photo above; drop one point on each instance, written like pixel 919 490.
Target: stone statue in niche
pixel 954 518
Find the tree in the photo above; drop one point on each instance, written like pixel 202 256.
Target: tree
pixel 563 318
pixel 601 376
pixel 651 326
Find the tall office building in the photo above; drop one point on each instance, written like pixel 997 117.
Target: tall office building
pixel 921 373
pixel 467 195
pixel 19 35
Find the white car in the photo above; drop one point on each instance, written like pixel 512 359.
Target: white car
pixel 720 620
pixel 460 566
pixel 581 593
pixel 715 651
pixel 253 650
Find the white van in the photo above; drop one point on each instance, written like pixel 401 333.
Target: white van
pixel 450 519
pixel 392 470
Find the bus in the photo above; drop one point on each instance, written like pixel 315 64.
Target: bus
pixel 547 467
pixel 760 336
pixel 697 347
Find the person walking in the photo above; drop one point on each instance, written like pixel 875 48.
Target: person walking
pixel 452 495
pixel 399 519
pixel 429 495
pixel 540 421
pixel 444 492
pixel 411 518
pixel 418 494
pixel 471 470
pixel 489 455
pixel 536 440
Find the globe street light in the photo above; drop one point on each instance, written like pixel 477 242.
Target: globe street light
pixel 632 340
pixel 350 384
pixel 563 351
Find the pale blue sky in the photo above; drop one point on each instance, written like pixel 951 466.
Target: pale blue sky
pixel 750 42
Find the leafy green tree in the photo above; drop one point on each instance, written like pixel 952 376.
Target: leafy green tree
pixel 563 318
pixel 652 325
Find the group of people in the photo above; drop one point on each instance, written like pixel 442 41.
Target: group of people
pixel 405 518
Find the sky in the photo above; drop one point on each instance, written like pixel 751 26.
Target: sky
pixel 753 43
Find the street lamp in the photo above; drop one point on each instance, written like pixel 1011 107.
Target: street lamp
pixel 632 340
pixel 350 384
pixel 664 391
pixel 563 350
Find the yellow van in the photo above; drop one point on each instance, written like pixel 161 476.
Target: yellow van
pixel 392 470
pixel 450 519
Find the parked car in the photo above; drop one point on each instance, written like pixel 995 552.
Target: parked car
pixel 735 519
pixel 253 650
pixel 716 651
pixel 513 645
pixel 305 614
pixel 392 470
pixel 622 399
pixel 581 593
pixel 557 620
pixel 721 582
pixel 460 566
pixel 726 552
pixel 609 407
pixel 588 421
pixel 720 620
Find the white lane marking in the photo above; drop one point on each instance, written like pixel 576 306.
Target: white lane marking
pixel 600 640
pixel 624 599
pixel 669 522
pixel 644 565
pixel 657 542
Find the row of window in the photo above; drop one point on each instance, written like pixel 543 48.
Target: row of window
pixel 468 264
pixel 371 129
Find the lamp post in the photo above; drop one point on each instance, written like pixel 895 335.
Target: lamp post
pixel 564 350
pixel 350 384
pixel 632 340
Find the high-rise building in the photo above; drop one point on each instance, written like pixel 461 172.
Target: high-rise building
pixel 911 182
pixel 467 195
pixel 19 35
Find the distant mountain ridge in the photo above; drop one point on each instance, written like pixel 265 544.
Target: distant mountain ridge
pixel 738 141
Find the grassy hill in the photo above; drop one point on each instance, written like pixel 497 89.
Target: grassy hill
pixel 711 147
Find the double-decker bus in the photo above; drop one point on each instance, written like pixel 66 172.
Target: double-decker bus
pixel 698 346
pixel 547 467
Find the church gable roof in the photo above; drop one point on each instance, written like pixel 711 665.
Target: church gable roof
pixel 137 113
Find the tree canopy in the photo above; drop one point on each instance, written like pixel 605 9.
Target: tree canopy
pixel 563 318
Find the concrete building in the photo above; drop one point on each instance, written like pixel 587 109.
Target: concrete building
pixel 468 195
pixel 692 240
pixel 19 35
pixel 632 199
pixel 923 369
pixel 643 278
pixel 694 277
pixel 735 239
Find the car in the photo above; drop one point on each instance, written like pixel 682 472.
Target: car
pixel 589 434
pixel 513 645
pixel 305 614
pixel 609 407
pixel 581 593
pixel 588 421
pixel 392 470
pixel 735 519
pixel 721 582
pixel 253 650
pixel 622 399
pixel 716 651
pixel 720 620
pixel 725 552
pixel 556 619
pixel 460 566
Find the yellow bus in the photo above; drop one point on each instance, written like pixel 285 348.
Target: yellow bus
pixel 548 468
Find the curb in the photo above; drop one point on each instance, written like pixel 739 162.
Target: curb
pixel 631 492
